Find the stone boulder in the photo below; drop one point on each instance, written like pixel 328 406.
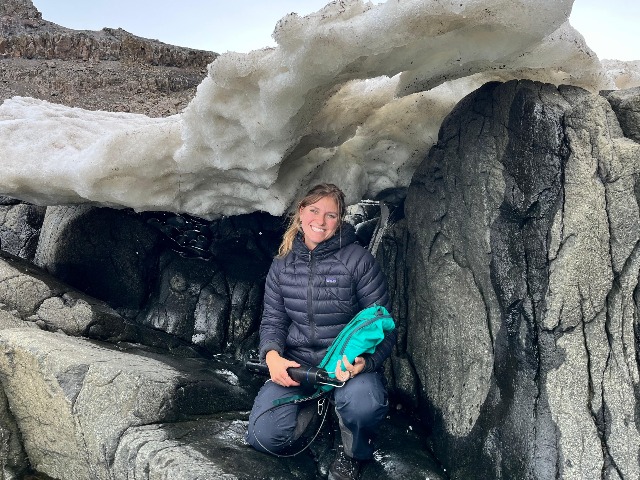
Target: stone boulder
pixel 20 227
pixel 13 459
pixel 73 400
pixel 207 295
pixel 196 302
pixel 626 105
pixel 522 232
pixel 106 253
pixel 31 297
pixel 85 409
pixel 211 447
pixel 209 290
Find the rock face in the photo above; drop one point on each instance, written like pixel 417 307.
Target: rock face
pixel 107 254
pixel 209 297
pixel 626 104
pixel 107 70
pixel 20 8
pixel 20 227
pixel 513 266
pixel 73 399
pixel 523 233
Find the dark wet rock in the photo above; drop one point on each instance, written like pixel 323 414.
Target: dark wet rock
pixel 245 245
pixel 108 254
pixel 115 255
pixel 8 201
pixel 49 303
pixel 365 217
pixel 211 447
pixel 392 196
pixel 210 301
pixel 214 446
pixel 389 245
pixel 401 453
pixel 195 301
pixel 365 231
pixel 212 298
pixel 518 222
pixel 363 211
pixel 30 297
pixel 95 410
pixel 179 289
pixel 242 245
pixel 20 227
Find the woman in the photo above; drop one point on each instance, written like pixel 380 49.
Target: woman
pixel 318 282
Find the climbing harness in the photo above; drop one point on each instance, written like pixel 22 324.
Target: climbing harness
pixel 361 335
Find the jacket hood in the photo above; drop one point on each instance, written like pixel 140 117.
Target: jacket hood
pixel 344 236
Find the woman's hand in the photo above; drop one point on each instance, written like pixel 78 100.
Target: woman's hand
pixel 351 369
pixel 278 369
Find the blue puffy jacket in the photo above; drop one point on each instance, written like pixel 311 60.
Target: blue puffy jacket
pixel 311 295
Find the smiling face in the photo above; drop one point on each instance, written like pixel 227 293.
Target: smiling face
pixel 320 220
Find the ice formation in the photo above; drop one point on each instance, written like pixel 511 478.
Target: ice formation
pixel 353 94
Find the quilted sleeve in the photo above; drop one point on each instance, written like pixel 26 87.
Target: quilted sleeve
pixel 275 321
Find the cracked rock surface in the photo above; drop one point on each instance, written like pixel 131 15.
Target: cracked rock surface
pixel 74 399
pixel 523 229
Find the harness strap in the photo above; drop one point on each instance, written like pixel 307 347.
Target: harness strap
pixel 299 398
pixel 323 408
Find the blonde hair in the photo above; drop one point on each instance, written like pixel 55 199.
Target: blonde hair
pixel 316 193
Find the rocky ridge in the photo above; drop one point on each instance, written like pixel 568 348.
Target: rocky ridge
pixel 109 70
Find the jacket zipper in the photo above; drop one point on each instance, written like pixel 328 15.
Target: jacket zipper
pixel 312 327
pixel 353 332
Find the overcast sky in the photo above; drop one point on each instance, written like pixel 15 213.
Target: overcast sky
pixel 609 26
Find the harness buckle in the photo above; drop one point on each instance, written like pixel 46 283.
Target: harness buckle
pixel 321 405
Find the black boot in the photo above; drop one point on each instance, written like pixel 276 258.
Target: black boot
pixel 344 467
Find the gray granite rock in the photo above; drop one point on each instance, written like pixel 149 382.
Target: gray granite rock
pixel 73 400
pixel 13 459
pixel 20 229
pixel 213 447
pixel 626 105
pixel 523 230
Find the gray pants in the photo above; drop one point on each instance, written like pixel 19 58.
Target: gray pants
pixel 361 404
